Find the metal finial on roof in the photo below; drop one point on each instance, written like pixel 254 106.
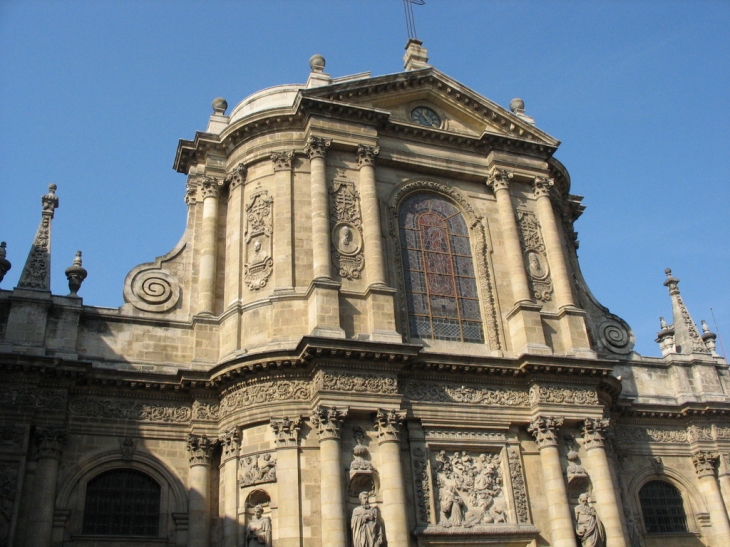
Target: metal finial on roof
pixel 410 19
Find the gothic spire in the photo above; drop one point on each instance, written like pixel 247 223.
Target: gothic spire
pixel 37 271
pixel 686 336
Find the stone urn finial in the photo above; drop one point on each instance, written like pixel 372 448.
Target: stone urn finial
pixel 75 275
pixel 5 264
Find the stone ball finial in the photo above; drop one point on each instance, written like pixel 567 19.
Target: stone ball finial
pixel 317 63
pixel 517 105
pixel 668 271
pixel 219 105
pixel 75 275
pixel 4 262
pixel 52 188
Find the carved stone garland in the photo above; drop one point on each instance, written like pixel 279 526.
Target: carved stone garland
pixel 478 236
pixel 346 223
pixel 259 223
pixel 533 249
pixel 422 484
pixel 470 490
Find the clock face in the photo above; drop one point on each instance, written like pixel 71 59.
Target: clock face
pixel 425 116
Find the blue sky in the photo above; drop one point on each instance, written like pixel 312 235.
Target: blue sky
pixel 94 96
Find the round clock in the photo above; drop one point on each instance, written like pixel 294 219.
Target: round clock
pixel 423 115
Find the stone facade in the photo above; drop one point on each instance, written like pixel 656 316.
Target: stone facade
pixel 373 331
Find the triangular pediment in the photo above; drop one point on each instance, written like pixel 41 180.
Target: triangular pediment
pixel 459 109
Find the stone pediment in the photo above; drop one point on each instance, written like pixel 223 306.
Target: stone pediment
pixel 458 109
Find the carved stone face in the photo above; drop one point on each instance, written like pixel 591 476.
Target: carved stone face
pixel 364 499
pixel 258 511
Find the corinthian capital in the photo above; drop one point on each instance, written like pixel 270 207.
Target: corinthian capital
pixel 237 176
pixel 328 421
pixel 230 441
pixel 317 147
pixel 200 449
pixel 704 463
pixel 366 154
pixel 544 429
pixel 210 187
pixel 542 186
pixel 49 442
pixel 594 432
pixel 282 160
pixel 388 424
pixel 286 431
pixel 499 179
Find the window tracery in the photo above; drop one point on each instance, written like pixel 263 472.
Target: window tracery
pixel 443 301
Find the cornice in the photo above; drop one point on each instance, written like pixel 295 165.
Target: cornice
pixel 686 410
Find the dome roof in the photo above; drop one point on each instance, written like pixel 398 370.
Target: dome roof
pixel 280 96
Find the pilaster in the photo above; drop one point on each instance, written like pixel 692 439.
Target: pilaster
pixel 705 463
pixel 210 188
pixel 287 479
pixel 230 442
pixel 49 443
pixel 200 450
pixel 283 237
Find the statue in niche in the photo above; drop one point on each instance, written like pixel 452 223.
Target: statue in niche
pixel 258 530
pixel 588 527
pixel 365 523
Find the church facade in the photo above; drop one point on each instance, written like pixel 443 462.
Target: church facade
pixel 374 331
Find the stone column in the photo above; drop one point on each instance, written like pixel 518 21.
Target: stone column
pixel 704 463
pixel 327 421
pixel 316 149
pixel 287 480
pixel 209 237
pixel 49 443
pixel 200 450
pixel 724 474
pixel 499 181
pixel 230 442
pixel 562 532
pixel 603 487
pixel 283 247
pixel 388 424
pixel 372 235
pixel 553 247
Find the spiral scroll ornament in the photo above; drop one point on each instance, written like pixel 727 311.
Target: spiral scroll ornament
pixel 616 337
pixel 154 291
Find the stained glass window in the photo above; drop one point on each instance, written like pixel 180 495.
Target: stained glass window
pixel 443 301
pixel 122 502
pixel 663 508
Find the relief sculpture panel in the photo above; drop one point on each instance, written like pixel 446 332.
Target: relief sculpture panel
pixel 259 227
pixel 346 221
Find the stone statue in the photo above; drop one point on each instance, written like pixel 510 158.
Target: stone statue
pixel 453 507
pixel 258 531
pixel 366 529
pixel 588 527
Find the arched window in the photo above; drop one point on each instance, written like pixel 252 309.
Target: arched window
pixel 122 502
pixel 663 508
pixel 443 302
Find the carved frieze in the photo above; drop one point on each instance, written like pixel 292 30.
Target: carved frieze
pixel 253 393
pixel 470 490
pixel 37 398
pixel 696 433
pixel 138 411
pixel 206 410
pixel 360 383
pixel 259 226
pixel 570 396
pixel 533 249
pixel 481 253
pixel 257 469
pixel 346 225
pixel 454 393
pixel 481 436
pixel 519 491
pixel 641 434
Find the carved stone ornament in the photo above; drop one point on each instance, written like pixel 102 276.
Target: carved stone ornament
pixel 286 431
pixel 237 176
pixel 346 222
pixel 422 484
pixel 327 421
pixel 230 442
pixel 153 290
pixel 138 411
pixel 544 429
pixel 576 471
pixel 615 336
pixel 316 147
pixel 470 490
pixel 359 383
pixel 49 442
pixel 283 160
pixel 519 491
pixel 696 433
pixel 570 396
pixel 696 342
pixel 8 493
pixel 37 270
pixel 499 179
pixel 206 410
pixel 362 472
pixel 388 424
pixel 255 392
pixel 455 393
pixel 478 237
pixel 704 463
pixel 542 186
pixel 650 434
pixel 210 187
pixel 533 249
pixel 37 398
pixel 200 449
pixel 366 154
pixel 594 432
pixel 257 469
pixel 127 446
pixel 191 192
pixel 259 226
